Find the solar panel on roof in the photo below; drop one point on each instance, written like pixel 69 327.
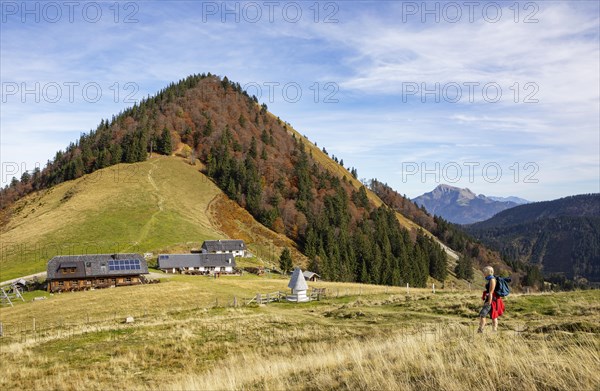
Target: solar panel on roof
pixel 124 264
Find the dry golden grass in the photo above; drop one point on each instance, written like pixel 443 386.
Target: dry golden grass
pixel 175 294
pixel 445 359
pixel 382 339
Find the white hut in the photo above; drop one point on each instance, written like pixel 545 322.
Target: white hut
pixel 298 286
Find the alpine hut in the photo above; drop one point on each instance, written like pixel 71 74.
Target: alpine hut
pixel 78 272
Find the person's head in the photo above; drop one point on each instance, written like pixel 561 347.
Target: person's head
pixel 488 271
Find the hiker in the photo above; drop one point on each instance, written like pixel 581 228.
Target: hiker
pixel 492 303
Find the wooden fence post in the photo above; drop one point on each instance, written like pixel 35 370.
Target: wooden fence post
pixel 433 288
pixel 407 290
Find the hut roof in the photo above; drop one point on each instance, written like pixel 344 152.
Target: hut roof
pixel 308 275
pixel 168 261
pixel 223 245
pixel 297 282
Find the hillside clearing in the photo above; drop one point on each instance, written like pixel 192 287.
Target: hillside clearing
pixel 161 205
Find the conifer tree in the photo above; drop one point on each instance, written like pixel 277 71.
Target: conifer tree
pixel 252 150
pixel 164 143
pixel 464 268
pixel 285 260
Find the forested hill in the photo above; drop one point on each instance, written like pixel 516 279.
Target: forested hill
pixel 473 253
pixel 562 236
pixel 265 166
pixel 584 205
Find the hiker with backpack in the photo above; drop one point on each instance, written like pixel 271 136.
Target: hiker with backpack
pixel 495 289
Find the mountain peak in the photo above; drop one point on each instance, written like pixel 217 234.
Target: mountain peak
pixel 461 206
pixel 462 195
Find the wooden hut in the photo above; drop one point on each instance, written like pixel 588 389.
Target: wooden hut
pixel 311 276
pixel 78 272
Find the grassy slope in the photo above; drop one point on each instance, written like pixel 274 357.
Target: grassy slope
pixel 378 340
pixel 162 204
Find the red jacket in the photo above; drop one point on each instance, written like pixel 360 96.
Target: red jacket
pixel 497 305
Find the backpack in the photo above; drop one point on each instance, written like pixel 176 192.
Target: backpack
pixel 502 288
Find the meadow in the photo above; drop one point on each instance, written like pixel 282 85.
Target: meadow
pixel 161 205
pixel 188 335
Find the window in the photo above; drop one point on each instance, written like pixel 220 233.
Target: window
pixel 61 283
pixel 128 279
pixel 125 264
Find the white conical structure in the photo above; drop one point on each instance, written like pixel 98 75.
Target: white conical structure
pixel 298 286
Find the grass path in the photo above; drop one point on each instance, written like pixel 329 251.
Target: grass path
pixel 161 200
pixel 145 230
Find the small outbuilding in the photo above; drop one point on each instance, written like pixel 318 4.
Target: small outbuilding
pixel 298 286
pixel 310 276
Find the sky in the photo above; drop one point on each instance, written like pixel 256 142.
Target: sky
pixel 499 97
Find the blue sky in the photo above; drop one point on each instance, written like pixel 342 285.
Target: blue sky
pixel 500 97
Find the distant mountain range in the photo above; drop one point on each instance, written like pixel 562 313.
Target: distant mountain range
pixel 462 206
pixel 516 200
pixel 561 236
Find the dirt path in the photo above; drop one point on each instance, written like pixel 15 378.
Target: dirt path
pixel 161 200
pixel 159 203
pixel 29 277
